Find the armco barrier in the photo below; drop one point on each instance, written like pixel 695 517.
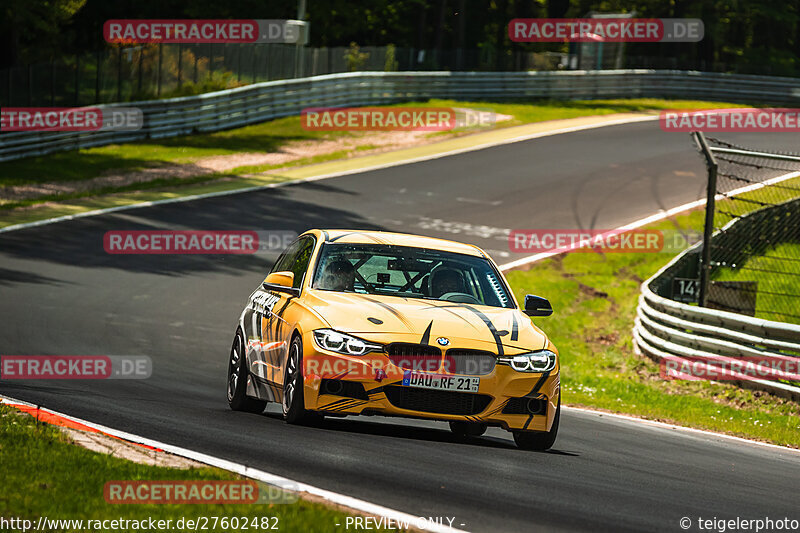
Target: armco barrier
pixel 666 329
pixel 264 101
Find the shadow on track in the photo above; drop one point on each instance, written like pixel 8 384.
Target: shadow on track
pixel 80 242
pixel 362 425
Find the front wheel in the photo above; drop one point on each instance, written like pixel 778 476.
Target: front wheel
pixel 237 380
pixel 294 411
pixel 539 440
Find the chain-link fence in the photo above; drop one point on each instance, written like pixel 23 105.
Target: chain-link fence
pixel 753 257
pixel 143 72
pixel 749 261
pixel 149 71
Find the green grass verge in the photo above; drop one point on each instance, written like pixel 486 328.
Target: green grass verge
pixel 595 297
pixel 45 475
pixel 89 202
pixel 272 135
pixel 777 293
pixel 93 162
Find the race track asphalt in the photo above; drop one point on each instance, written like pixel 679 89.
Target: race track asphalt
pixel 61 294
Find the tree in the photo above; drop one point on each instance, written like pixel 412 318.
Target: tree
pixel 33 23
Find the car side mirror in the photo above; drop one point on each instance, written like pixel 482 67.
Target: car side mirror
pixel 537 306
pixel 282 282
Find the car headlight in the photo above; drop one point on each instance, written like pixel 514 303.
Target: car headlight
pixel 338 342
pixel 541 361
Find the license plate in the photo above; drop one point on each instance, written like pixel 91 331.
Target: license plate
pixel 440 382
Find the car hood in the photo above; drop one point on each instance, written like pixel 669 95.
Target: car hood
pixel 387 319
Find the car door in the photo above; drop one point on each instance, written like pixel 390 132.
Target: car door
pixel 267 332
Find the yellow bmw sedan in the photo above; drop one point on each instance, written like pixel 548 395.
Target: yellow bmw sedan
pixel 375 323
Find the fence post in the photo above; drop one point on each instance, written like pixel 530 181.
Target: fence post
pixel 77 79
pixel 180 64
pixel 708 229
pixel 158 75
pixel 238 63
pixel 139 81
pixel 211 58
pixel 30 85
pixel 97 80
pixel 119 74
pixel 52 83
pixel 255 62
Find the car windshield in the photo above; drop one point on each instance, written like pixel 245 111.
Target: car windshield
pixel 410 273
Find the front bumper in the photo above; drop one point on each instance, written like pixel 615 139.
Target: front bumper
pixel 501 400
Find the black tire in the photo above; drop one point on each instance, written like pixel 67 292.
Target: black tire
pixel 294 411
pixel 465 430
pixel 237 380
pixel 539 440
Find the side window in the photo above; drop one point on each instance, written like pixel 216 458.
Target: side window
pixel 301 260
pixel 287 257
pixel 295 259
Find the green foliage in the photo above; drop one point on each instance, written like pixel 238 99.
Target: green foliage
pixel 595 296
pixel 390 64
pixel 756 36
pixel 355 58
pixel 273 135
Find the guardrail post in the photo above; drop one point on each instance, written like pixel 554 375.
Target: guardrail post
pixel 708 229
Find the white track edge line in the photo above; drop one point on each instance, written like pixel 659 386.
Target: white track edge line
pixel 524 261
pixel 637 224
pixel 668 425
pixel 253 473
pixel 644 221
pixel 412 160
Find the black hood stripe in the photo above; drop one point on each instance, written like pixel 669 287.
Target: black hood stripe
pixel 486 320
pixel 445 308
pixel 426 337
pixel 391 309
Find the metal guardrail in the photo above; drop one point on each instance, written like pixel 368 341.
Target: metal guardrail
pixel 264 101
pixel 668 330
